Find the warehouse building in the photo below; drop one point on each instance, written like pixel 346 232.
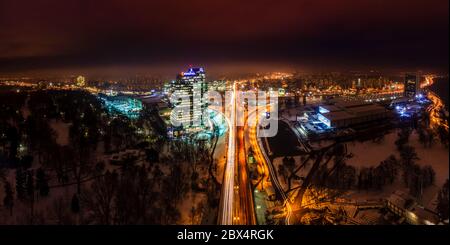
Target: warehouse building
pixel 342 114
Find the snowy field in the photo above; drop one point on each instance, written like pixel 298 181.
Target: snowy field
pixel 370 154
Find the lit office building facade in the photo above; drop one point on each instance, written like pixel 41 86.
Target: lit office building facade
pixel 191 87
pixel 411 85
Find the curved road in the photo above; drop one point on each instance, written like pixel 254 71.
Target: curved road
pixel 265 163
pixel 236 205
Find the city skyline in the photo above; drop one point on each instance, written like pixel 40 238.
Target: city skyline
pixel 209 120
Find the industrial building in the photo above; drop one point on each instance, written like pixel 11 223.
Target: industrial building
pixel 346 113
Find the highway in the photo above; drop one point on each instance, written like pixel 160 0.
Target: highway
pixel 270 177
pixel 226 209
pixel 246 211
pixel 237 205
pixel 434 109
pixel 436 106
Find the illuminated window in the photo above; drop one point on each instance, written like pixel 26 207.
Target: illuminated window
pixel 323 110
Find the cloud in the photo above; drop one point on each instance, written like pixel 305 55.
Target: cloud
pixel 113 31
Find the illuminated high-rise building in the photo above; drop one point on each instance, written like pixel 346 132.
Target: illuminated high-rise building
pixel 411 85
pixel 192 86
pixel 80 81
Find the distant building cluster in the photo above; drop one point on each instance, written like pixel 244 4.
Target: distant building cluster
pixel 217 85
pixel 127 106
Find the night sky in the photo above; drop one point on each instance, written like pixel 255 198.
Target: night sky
pixel 46 35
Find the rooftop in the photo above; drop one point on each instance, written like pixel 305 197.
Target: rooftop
pixel 349 104
pixel 338 115
pixel 367 109
pixel 330 108
pixel 401 200
pixel 193 71
pixel 349 109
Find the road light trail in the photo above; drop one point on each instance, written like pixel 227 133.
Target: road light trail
pixel 274 180
pixel 246 211
pixel 236 205
pixel 268 169
pixel 436 106
pixel 434 110
pixel 227 199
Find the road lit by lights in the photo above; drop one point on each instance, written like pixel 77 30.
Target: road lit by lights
pixel 266 168
pixel 434 110
pixel 227 215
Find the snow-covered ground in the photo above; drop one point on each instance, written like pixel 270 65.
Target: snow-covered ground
pixel 302 172
pixel 191 200
pixel 291 114
pixel 370 154
pixel 25 110
pixel 220 155
pixel 62 131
